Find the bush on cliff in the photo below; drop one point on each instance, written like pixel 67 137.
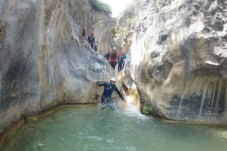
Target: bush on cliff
pixel 100 6
pixel 128 11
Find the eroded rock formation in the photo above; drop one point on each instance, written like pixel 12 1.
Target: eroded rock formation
pixel 44 60
pixel 178 57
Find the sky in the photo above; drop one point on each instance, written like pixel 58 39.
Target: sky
pixel 117 5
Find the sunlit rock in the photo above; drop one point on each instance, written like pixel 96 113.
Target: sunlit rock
pixel 178 53
pixel 44 59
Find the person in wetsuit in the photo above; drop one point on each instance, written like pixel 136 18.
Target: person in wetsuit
pixel 84 33
pixel 106 98
pixel 113 58
pixel 91 40
pixel 107 55
pixel 121 62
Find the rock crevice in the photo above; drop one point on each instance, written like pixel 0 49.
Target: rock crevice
pixel 177 57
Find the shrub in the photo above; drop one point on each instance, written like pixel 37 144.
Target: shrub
pixel 128 11
pixel 100 6
pixel 146 109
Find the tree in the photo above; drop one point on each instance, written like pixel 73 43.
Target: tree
pixel 100 6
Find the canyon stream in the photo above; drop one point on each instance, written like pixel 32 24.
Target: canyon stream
pixel 86 128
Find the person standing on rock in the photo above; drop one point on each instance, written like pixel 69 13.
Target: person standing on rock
pixel 106 98
pixel 113 58
pixel 84 33
pixel 121 61
pixel 91 40
pixel 107 55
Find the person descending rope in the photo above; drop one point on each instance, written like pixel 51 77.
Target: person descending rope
pixel 91 40
pixel 121 62
pixel 106 98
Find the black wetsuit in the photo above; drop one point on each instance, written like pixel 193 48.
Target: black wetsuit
pixel 91 41
pixel 108 90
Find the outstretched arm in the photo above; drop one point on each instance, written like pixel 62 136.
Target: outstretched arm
pixel 119 93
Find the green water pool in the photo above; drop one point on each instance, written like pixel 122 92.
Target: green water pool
pixel 86 128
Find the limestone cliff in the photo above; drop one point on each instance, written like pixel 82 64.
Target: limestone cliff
pixel 178 57
pixel 44 60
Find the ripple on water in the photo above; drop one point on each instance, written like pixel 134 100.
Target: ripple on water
pixel 86 128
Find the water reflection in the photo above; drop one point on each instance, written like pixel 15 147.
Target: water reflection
pixel 86 128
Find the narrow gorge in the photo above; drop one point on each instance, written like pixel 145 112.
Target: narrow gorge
pixel 44 60
pixel 178 57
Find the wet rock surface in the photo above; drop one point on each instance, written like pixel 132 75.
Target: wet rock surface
pixel 44 60
pixel 177 59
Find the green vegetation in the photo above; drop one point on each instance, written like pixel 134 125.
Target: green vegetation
pixel 100 6
pixel 129 10
pixel 126 17
pixel 113 32
pixel 146 109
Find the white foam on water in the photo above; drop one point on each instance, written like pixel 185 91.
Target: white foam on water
pixel 41 144
pixel 131 109
pixel 97 138
pixel 222 135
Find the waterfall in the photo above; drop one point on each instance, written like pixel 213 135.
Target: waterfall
pixel 219 88
pixel 131 108
pixel 130 103
pixel 211 95
pixel 132 100
pixel 210 91
pixel 179 109
pixel 204 95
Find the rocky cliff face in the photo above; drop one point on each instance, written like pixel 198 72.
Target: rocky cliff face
pixel 44 60
pixel 178 57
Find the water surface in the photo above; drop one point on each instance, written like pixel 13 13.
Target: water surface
pixel 86 128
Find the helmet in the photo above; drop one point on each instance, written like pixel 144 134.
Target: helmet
pixel 113 79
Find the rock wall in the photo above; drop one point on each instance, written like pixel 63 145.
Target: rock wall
pixel 102 25
pixel 44 60
pixel 178 57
